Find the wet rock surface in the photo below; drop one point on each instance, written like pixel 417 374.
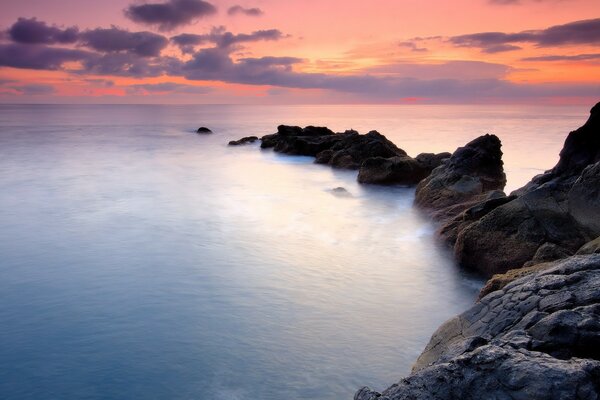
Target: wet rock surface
pixel 536 338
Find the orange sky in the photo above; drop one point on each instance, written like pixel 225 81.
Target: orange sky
pixel 378 51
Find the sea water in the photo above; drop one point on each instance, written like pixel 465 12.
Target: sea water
pixel 140 260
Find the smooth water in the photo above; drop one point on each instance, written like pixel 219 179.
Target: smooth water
pixel 139 260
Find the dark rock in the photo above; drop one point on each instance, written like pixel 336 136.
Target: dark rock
pixel 590 247
pixel 432 160
pixel 536 338
pixel 203 129
pixel 552 217
pixel 584 198
pixel 341 150
pixel 471 171
pixel 402 170
pixel 244 140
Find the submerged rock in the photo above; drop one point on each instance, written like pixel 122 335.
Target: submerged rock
pixel 203 129
pixel 536 338
pixel 340 192
pixel 244 140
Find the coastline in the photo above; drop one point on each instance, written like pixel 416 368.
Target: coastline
pixel 544 319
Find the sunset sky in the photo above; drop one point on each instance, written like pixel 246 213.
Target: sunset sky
pixel 305 52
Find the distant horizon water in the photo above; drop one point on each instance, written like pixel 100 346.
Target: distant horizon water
pixel 141 260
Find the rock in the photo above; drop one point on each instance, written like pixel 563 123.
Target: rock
pixel 498 281
pixel 584 198
pixel 244 140
pixel 341 150
pixel 550 218
pixel 352 149
pixel 538 337
pixel 403 170
pixel 340 192
pixel 203 129
pixel 471 171
pixel 591 247
pixel 432 160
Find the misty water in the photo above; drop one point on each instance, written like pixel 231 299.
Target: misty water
pixel 139 260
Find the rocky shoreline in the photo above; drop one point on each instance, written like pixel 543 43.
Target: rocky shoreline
pixel 535 331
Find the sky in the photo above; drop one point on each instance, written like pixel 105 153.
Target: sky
pixel 300 52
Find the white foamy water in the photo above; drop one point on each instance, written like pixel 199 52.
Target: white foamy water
pixel 141 260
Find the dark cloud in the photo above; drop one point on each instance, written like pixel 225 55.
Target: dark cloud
pixel 32 31
pixel 223 39
pixel 101 82
pixel 127 64
pixel 578 57
pixel 586 32
pixel 168 87
pixel 412 46
pixel 170 14
pixel 39 56
pixel 500 48
pixel 145 44
pixel 252 12
pixel 34 89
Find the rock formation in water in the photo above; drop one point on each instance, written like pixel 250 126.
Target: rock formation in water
pixel 548 219
pixel 536 338
pixel 378 160
pixel 203 129
pixel 244 140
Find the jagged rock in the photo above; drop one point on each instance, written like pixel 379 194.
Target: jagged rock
pixel 552 216
pixel 203 129
pixel 536 338
pixel 244 140
pixel 352 149
pixel 590 247
pixel 341 150
pixel 471 171
pixel 403 170
pixel 584 198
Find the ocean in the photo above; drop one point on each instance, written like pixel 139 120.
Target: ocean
pixel 140 260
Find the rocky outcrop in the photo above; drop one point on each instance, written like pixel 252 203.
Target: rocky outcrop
pixel 402 170
pixel 341 150
pixel 244 140
pixel 203 129
pixel 538 337
pixel 464 179
pixel 548 219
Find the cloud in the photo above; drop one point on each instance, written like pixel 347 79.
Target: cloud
pixel 127 64
pixel 457 69
pixel 251 12
pixel 412 46
pixel 34 89
pixel 223 39
pixel 170 14
pixel 32 31
pixel 578 57
pixel 144 44
pixel 585 32
pixel 168 87
pixel 101 82
pixel 39 56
